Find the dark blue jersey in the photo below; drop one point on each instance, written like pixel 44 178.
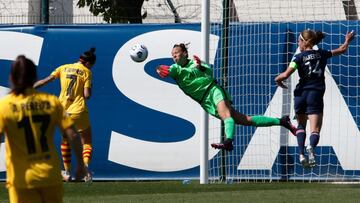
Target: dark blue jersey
pixel 311 68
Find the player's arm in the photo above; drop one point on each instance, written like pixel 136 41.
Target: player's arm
pixel 198 63
pixel 163 70
pixel 87 92
pixel 285 75
pixel 44 81
pixel 342 48
pixel 87 86
pixel 202 66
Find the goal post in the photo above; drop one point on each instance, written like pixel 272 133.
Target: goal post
pixel 260 40
pixel 204 138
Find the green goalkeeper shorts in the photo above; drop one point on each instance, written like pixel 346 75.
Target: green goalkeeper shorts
pixel 215 95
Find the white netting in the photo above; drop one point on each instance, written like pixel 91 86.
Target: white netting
pixel 262 38
pixel 67 12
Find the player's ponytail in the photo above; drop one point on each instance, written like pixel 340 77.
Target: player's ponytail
pixel 23 74
pixel 311 37
pixel 318 37
pixel 88 56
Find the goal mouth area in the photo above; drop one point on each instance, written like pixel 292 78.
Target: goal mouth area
pixel 339 181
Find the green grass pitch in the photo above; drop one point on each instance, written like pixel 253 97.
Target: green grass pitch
pixel 175 191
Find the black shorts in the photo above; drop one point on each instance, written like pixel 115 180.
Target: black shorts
pixel 308 101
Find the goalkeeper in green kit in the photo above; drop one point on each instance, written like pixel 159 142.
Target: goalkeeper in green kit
pixel 195 79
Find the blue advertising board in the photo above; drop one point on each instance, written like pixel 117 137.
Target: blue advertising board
pixel 143 126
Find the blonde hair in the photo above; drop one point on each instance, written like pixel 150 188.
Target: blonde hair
pixel 311 37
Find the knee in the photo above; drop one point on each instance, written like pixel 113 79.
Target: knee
pixel 224 114
pixel 301 126
pixel 246 121
pixel 300 129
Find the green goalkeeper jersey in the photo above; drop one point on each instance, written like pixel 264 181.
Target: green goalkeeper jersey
pixel 192 81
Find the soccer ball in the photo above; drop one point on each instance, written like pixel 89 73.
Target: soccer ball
pixel 138 53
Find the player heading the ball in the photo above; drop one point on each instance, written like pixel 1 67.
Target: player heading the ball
pixel 309 92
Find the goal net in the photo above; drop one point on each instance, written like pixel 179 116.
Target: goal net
pixel 258 38
pixel 257 41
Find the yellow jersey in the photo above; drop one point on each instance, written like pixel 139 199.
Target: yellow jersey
pixel 73 79
pixel 29 122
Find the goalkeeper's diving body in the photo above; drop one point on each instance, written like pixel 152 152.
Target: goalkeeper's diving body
pixel 309 92
pixel 195 79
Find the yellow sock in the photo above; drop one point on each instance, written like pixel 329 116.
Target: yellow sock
pixel 87 152
pixel 66 155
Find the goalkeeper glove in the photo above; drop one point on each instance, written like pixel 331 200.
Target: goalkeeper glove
pixel 198 63
pixel 163 71
pixel 197 60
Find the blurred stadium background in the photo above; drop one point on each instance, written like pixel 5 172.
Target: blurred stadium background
pixel 185 11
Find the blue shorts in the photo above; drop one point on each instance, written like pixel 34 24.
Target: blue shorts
pixel 308 101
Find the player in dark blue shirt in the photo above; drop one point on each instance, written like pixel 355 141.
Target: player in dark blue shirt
pixel 309 92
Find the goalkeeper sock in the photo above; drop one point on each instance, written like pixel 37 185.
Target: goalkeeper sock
pixel 301 136
pixel 229 124
pixel 263 121
pixel 87 152
pixel 314 139
pixel 66 155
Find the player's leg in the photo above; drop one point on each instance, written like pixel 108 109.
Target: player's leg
pixel 217 103
pixel 230 116
pixel 24 195
pixel 315 114
pixel 263 121
pixel 66 157
pixel 315 127
pixel 300 107
pixel 301 137
pixel 86 140
pixel 224 112
pixel 315 106
pixel 84 129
